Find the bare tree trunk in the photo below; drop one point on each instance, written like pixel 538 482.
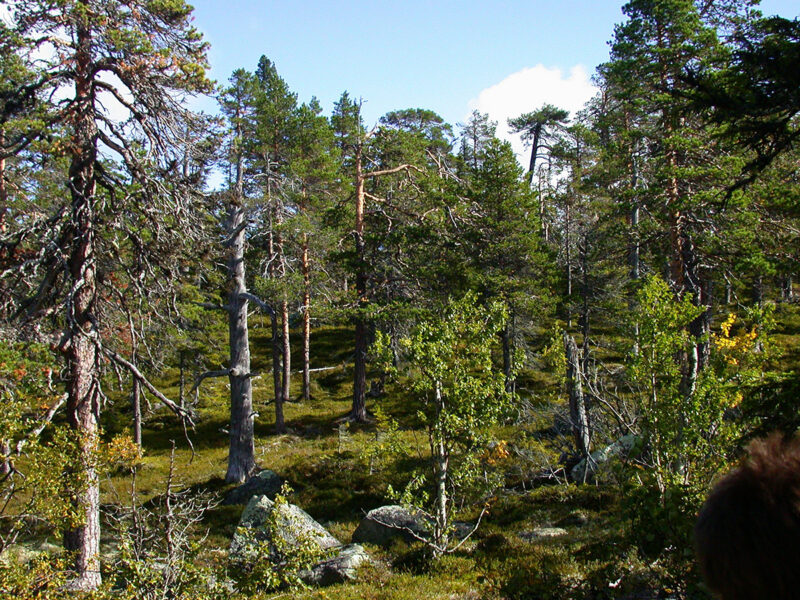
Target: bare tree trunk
pixel 568 259
pixel 287 352
pixel 277 349
pixel 136 405
pixel 182 380
pixel 358 412
pixel 306 322
pixel 241 453
pixel 508 354
pixel 3 189
pixel 579 419
pixel 758 290
pixel 280 424
pixel 441 460
pixel 537 132
pixel 83 405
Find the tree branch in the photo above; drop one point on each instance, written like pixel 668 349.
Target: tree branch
pixel 382 172
pixel 259 302
pixel 182 413
pixel 48 417
pixel 206 375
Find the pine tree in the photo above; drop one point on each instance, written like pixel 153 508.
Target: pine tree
pixel 154 55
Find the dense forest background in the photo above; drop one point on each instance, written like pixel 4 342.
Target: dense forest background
pixel 548 365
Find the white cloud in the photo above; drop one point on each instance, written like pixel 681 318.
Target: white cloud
pixel 527 90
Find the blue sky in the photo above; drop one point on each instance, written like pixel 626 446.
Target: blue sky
pixel 502 57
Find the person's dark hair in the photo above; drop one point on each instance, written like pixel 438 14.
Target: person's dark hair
pixel 747 536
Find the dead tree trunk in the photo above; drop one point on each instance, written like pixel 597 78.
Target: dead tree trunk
pixel 579 419
pixel 787 288
pixel 306 322
pixel 287 352
pixel 358 412
pixel 277 348
pixel 241 453
pixel 136 406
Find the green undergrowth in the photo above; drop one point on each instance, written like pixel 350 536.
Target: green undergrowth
pixel 337 478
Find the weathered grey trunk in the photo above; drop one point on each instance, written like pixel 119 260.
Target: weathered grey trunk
pixel 136 407
pixel 182 380
pixel 508 354
pixel 306 322
pixel 758 291
pixel 241 453
pixel 579 419
pixel 787 288
pixel 441 460
pixel 287 352
pixel 277 349
pixel 634 249
pixel 358 412
pixel 280 424
pixel 83 402
pixel 3 188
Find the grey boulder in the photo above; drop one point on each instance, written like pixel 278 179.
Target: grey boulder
pixel 338 569
pixel 292 525
pixel 263 483
pixel 387 523
pixel 384 524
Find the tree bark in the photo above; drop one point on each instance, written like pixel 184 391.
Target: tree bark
pixel 182 380
pixel 287 352
pixel 83 406
pixel 277 349
pixel 441 464
pixel 241 453
pixel 280 424
pixel 136 406
pixel 358 412
pixel 306 322
pixel 3 189
pixel 579 419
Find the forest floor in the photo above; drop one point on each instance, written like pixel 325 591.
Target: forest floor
pixel 337 477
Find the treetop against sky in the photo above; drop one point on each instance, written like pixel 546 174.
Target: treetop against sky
pixel 501 58
pixel 504 58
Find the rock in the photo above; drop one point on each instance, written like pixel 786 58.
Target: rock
pixel 292 524
pixel 339 568
pixel 264 483
pixel 542 533
pixel 599 458
pixel 387 523
pixel 384 524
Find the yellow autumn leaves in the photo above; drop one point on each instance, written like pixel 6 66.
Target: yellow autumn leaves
pixel 734 347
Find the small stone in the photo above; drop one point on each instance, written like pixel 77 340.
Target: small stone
pixel 540 533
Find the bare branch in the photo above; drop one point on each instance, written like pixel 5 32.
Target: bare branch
pixel 182 413
pixel 258 302
pixel 382 172
pixel 206 375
